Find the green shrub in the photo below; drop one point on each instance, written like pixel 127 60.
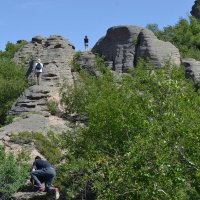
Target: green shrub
pixel 75 64
pixel 12 83
pixel 142 138
pixel 11 49
pixel 52 106
pixel 12 175
pixel 184 35
pixel 13 80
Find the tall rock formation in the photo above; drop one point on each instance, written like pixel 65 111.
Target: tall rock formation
pixel 30 110
pixel 195 12
pixel 56 54
pixel 123 46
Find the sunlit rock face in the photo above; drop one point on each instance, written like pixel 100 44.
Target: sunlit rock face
pixel 123 46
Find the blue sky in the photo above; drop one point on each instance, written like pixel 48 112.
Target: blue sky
pixel 73 19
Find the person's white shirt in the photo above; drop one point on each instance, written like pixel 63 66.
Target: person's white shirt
pixel 38 70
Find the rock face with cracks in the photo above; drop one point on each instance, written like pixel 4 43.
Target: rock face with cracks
pixel 30 110
pixel 123 46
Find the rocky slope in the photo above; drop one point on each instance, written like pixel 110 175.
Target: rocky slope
pixel 30 110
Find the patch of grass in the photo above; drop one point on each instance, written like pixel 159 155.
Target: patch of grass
pixel 45 146
pixel 52 107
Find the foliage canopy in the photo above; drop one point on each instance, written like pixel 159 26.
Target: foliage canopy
pixel 142 136
pixel 185 35
pixel 12 81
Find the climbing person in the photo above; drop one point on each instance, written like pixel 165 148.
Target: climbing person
pixel 86 41
pixel 43 170
pixel 38 70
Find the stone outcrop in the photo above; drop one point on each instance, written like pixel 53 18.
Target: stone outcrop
pixel 157 52
pixel 192 69
pixel 32 196
pixel 123 46
pixel 195 12
pixel 86 61
pixel 30 110
pixel 56 54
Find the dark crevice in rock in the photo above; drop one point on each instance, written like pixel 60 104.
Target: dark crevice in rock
pixel 36 97
pixel 50 75
pixel 28 105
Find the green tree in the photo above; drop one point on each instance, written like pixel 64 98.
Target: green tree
pixel 11 49
pixel 153 27
pixel 13 80
pixel 12 175
pixel 12 83
pixel 141 139
pixel 184 35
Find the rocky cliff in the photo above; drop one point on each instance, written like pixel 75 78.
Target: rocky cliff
pixel 30 110
pixel 123 46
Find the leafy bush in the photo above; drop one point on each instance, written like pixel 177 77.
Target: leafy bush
pixel 12 175
pixel 52 106
pixel 142 139
pixel 184 35
pixel 11 49
pixel 12 80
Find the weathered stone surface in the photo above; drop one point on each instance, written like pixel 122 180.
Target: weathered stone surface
pixel 158 52
pixel 124 45
pixel 86 61
pixel 192 69
pixel 32 196
pixel 30 110
pixel 195 12
pixel 118 47
pixel 35 123
pixel 56 54
pixel 32 100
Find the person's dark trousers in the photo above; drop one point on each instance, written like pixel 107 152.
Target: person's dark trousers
pixel 47 174
pixel 50 174
pixel 38 74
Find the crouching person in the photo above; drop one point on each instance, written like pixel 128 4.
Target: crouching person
pixel 42 170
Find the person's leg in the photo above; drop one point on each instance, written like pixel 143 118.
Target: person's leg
pixel 36 176
pixel 39 78
pixel 38 74
pixel 48 183
pixel 50 174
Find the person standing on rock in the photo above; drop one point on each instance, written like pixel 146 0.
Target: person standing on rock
pixel 38 70
pixel 86 41
pixel 43 170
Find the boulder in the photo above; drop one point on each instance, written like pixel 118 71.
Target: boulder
pixel 118 47
pixel 192 69
pixel 156 51
pixel 123 46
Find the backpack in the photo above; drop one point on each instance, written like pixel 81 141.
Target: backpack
pixel 38 66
